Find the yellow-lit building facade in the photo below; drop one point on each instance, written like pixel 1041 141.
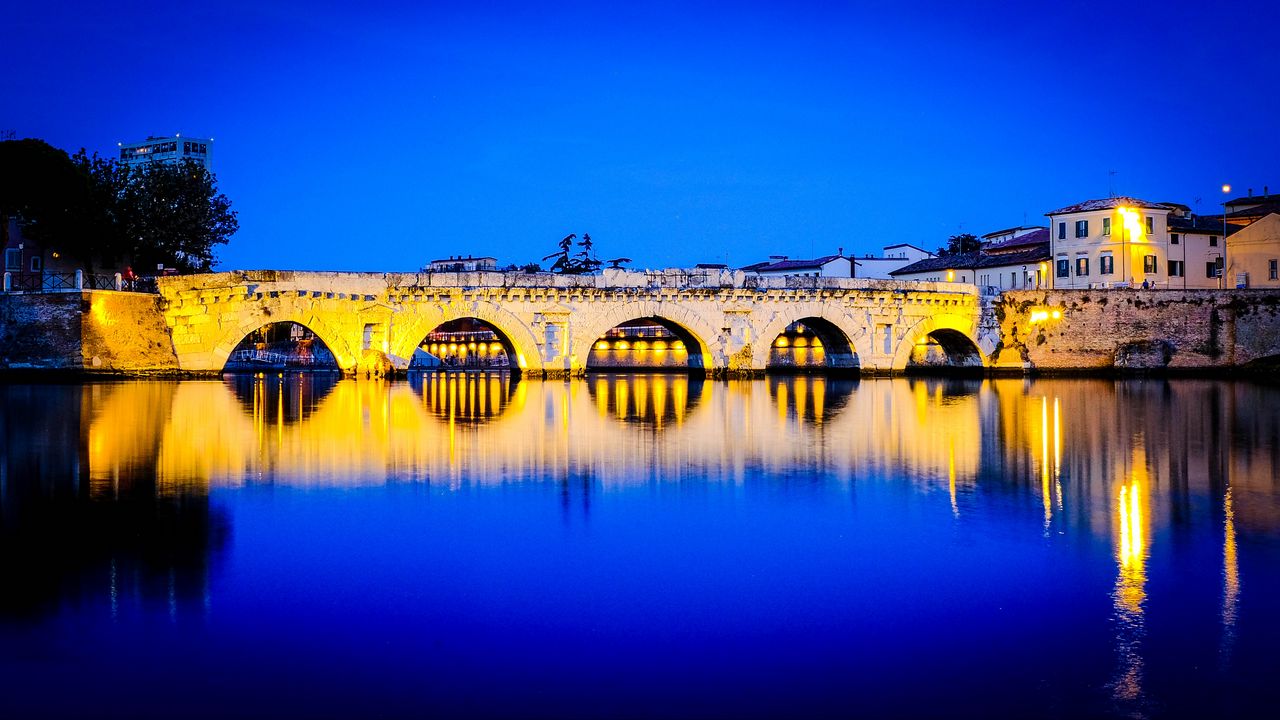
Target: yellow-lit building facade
pixel 1253 255
pixel 1112 242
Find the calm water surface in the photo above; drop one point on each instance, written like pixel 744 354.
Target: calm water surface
pixel 639 546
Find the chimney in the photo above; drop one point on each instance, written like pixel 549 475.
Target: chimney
pixel 1250 192
pixel 840 252
pixel 1266 190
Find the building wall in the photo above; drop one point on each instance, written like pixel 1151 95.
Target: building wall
pixel 1196 250
pixel 1251 251
pixel 1127 251
pixel 879 268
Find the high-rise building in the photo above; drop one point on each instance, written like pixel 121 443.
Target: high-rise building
pixel 167 150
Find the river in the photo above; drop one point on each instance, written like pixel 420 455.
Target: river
pixel 639 546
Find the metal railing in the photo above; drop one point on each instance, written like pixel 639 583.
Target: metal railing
pixel 73 281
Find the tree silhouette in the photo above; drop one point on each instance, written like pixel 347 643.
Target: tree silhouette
pixel 580 263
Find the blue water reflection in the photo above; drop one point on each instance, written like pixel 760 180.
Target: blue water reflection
pixel 641 545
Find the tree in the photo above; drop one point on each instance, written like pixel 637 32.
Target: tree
pixel 174 214
pixel 98 210
pixel 580 263
pixel 42 187
pixel 960 244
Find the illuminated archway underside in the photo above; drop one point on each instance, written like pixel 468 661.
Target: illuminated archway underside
pixel 651 343
pixel 812 344
pixel 466 343
pixel 287 346
pixel 945 349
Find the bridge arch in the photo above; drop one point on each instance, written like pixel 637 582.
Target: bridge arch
pixel 515 336
pixel 853 333
pixel 701 339
pixel 229 339
pixel 954 334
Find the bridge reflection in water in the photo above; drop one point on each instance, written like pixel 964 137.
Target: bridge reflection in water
pixel 106 487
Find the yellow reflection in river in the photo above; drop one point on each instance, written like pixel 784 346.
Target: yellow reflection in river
pixel 1130 590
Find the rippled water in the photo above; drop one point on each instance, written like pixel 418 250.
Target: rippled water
pixel 639 546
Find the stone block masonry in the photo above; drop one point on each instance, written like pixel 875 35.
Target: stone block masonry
pixel 92 330
pixel 373 322
pixel 1137 329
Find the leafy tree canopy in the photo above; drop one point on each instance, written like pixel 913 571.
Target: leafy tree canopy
pixel 959 244
pixel 99 210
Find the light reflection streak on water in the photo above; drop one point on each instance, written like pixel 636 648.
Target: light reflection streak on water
pixel 1129 594
pixel 1230 576
pixel 1046 500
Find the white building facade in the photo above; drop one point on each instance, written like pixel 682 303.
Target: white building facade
pixel 167 150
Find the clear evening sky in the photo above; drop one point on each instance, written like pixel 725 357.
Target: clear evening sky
pixel 377 136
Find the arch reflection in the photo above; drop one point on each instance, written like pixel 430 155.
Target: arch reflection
pixel 469 397
pixel 810 399
pixel 280 397
pixel 647 399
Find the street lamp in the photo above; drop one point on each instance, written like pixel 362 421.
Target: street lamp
pixel 1226 188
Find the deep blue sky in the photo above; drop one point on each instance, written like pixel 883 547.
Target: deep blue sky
pixel 373 136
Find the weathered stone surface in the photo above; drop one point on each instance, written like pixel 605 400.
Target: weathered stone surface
pixel 92 330
pixel 373 323
pixel 552 320
pixel 1137 329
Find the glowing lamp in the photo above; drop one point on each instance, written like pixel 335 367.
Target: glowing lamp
pixel 951 275
pixel 602 345
pixel 1226 188
pixel 781 342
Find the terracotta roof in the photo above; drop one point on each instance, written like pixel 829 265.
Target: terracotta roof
pixel 1107 204
pixel 1255 212
pixel 1255 200
pixel 1032 238
pixel 792 264
pixel 978 260
pixel 1199 224
pixel 779 265
pixel 1006 231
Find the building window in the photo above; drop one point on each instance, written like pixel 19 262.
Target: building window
pixel 1213 241
pixel 1062 231
pixel 1151 225
pixel 1013 278
pixel 1106 226
pixel 13 260
pixel 1149 264
pixel 1175 268
pixel 35 263
pixel 1064 268
pixel 1211 269
pixel 1106 265
pixel 1082 228
pixel 1273 273
pixel 1173 239
pixel 1082 266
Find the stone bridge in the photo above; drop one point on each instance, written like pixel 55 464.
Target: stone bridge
pixel 549 323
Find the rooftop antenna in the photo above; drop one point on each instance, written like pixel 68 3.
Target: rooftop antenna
pixel 1111 183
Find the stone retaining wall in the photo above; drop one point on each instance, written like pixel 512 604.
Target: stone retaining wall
pixel 1136 329
pixel 91 330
